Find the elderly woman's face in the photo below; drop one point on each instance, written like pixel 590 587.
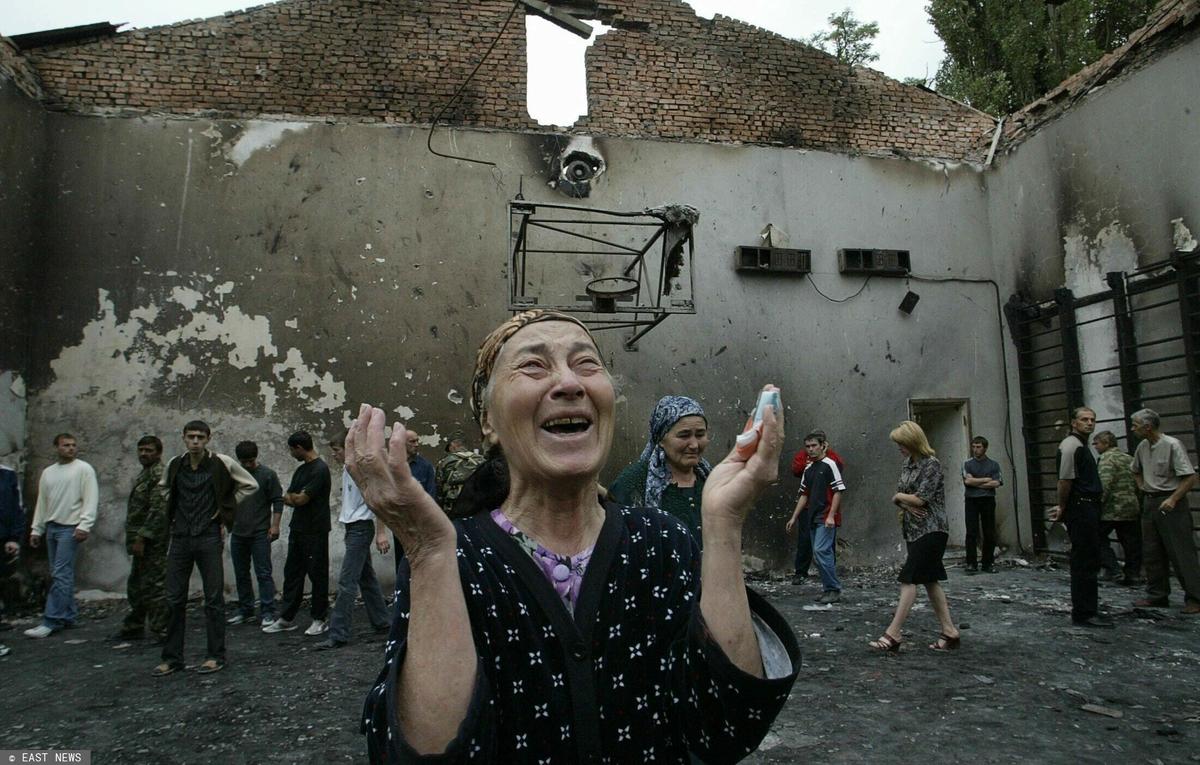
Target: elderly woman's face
pixel 685 442
pixel 551 403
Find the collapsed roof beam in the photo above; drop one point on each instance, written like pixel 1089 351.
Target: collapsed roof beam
pixel 558 17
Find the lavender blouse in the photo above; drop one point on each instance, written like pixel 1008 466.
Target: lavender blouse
pixel 565 573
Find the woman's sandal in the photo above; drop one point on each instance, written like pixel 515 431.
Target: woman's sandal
pixel 946 643
pixel 164 669
pixel 885 644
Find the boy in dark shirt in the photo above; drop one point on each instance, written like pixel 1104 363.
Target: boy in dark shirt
pixel 203 489
pixel 255 527
pixel 308 538
pixel 821 488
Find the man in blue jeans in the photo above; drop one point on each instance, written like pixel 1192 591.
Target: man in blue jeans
pixel 68 496
pixel 804 553
pixel 821 487
pixel 255 527
pixel 357 573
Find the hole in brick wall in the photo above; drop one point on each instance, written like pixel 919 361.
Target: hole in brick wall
pixel 556 82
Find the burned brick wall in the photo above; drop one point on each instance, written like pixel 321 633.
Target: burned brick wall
pixel 371 60
pixel 667 73
pixel 662 72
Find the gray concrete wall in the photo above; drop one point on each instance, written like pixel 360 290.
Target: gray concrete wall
pixel 22 142
pixel 270 276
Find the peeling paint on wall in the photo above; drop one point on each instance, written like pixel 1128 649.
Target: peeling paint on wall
pixel 430 440
pixel 332 392
pixel 1086 261
pixel 259 135
pixel 123 361
pixel 1181 236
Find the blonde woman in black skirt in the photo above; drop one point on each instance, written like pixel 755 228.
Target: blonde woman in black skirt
pixel 921 498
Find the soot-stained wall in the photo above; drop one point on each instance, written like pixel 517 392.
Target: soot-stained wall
pixel 1097 189
pixel 267 276
pixel 1110 185
pixel 21 145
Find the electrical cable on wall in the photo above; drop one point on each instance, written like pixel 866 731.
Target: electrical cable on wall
pixel 1008 446
pixel 457 93
pixel 1008 443
pixel 838 300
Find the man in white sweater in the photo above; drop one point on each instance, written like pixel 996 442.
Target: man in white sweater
pixel 64 515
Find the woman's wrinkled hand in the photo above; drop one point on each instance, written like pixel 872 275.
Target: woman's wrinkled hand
pixel 388 486
pixel 734 484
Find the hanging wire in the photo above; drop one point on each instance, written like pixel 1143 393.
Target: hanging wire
pixel 429 141
pixel 1008 440
pixel 839 300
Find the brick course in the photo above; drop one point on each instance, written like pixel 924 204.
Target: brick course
pixel 661 73
pixel 368 60
pixel 17 68
pixel 722 79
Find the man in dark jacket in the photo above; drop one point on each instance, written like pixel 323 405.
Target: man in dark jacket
pixel 1079 494
pixel 203 490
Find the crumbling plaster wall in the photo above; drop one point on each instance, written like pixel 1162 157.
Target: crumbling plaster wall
pixel 268 276
pixel 1097 190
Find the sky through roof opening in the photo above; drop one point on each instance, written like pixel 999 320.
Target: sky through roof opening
pixel 556 84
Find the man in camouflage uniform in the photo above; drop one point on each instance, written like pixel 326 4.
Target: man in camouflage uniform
pixel 1119 510
pixel 453 469
pixel 146 541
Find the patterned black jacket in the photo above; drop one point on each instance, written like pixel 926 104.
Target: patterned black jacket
pixel 632 676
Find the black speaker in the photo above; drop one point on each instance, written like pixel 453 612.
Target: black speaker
pixel 909 302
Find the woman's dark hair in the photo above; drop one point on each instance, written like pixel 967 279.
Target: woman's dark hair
pixel 486 488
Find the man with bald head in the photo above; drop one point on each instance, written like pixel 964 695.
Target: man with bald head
pixel 1165 475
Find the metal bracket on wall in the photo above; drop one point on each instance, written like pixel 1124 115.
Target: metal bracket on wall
pixel 618 270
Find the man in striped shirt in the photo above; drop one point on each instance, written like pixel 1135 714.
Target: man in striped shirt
pixel 821 488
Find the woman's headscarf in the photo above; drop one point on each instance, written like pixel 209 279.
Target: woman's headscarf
pixel 668 411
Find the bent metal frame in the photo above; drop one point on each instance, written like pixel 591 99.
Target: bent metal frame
pixel 635 267
pixel 1152 318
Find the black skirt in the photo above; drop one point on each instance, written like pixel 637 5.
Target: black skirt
pixel 924 562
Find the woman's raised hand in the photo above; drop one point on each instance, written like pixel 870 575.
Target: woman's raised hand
pixel 734 484
pixel 388 486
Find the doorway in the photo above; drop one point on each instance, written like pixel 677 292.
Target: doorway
pixel 947 424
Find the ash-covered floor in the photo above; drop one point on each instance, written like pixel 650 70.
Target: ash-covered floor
pixel 1026 686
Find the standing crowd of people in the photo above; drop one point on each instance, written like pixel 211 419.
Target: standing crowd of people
pixel 177 517
pixel 1143 498
pixel 538 611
